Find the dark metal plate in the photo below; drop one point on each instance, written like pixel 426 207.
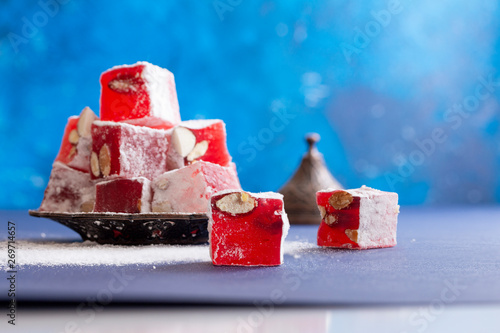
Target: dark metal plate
pixel 134 229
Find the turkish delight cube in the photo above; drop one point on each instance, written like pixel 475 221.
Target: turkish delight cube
pixel 188 189
pixel 69 190
pixel 247 229
pixel 200 140
pixel 123 195
pixel 126 151
pixel 137 91
pixel 357 219
pixel 77 141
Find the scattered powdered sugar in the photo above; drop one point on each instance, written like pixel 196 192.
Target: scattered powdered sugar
pixel 297 248
pixel 91 254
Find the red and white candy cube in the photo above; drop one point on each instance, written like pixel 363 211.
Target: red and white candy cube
pixel 247 229
pixel 124 150
pixel 68 190
pixel 77 142
pixel 123 195
pixel 188 189
pixel 357 219
pixel 199 140
pixel 140 90
pixel 112 164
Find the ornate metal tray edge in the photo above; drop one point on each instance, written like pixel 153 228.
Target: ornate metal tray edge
pixel 134 229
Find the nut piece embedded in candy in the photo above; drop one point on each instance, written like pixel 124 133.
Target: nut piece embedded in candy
pixel 87 206
pixel 330 219
pixel 161 207
pixel 198 151
pixel 183 141
pixel 105 160
pixel 352 234
pixel 162 184
pixel 322 211
pixel 245 196
pixel 236 203
pixel 72 152
pixel 73 137
pixel 125 84
pixel 84 125
pixel 340 199
pixel 94 164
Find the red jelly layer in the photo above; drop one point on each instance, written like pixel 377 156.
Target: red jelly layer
pixel 66 152
pixel 347 218
pixel 247 239
pixel 215 134
pixel 123 196
pixel 124 94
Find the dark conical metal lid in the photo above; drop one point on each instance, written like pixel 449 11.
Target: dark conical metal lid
pixel 300 191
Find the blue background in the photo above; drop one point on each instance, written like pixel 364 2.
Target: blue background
pixel 378 81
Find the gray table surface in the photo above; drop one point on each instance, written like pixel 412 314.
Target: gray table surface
pixel 443 256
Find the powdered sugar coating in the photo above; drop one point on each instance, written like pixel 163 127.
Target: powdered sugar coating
pixel 83 151
pixel 161 90
pixel 67 190
pixel 363 191
pixel 199 123
pixel 264 195
pixel 136 151
pixel 371 219
pixel 378 217
pixel 256 196
pixel 189 189
pixel 130 127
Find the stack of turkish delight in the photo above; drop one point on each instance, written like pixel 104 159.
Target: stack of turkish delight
pixel 139 157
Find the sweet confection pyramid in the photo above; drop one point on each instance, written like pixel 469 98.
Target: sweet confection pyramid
pixel 128 158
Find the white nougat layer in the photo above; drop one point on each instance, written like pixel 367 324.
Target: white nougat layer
pixel 378 218
pixel 162 92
